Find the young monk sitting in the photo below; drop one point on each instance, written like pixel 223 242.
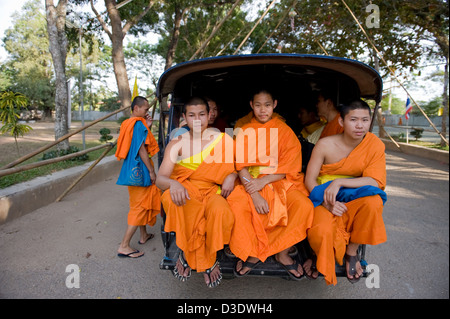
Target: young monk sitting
pixel 271 214
pixel 346 176
pixel 136 141
pixel 327 109
pixel 196 175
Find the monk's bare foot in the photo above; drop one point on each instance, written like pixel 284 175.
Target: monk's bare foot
pixel 284 259
pixel 353 268
pixel 243 270
pixel 145 238
pixel 310 269
pixel 213 276
pixel 129 252
pixel 184 272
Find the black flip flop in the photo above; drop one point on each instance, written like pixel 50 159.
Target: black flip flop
pixel 129 255
pixel 293 266
pixel 352 260
pixel 244 264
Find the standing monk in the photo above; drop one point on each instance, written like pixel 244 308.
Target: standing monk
pixel 346 176
pixel 136 143
pixel 271 213
pixel 196 175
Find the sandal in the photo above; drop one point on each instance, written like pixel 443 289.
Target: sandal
pixel 247 264
pixel 185 265
pixel 227 251
pixel 293 266
pixel 312 268
pixel 352 260
pixel 213 284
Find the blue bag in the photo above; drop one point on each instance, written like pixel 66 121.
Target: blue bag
pixel 134 172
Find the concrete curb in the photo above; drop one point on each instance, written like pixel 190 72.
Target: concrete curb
pixel 425 152
pixel 23 198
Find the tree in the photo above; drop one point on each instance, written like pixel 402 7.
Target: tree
pixel 56 21
pixel 10 104
pixel 431 17
pixel 116 34
pixel 187 25
pixel 28 68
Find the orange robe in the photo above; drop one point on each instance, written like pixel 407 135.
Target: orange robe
pixel 333 127
pixel 290 210
pixel 248 118
pixel 363 222
pixel 203 225
pixel 145 202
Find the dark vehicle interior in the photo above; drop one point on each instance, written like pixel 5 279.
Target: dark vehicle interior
pixel 293 80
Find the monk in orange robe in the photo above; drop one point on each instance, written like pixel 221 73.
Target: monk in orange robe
pixel 196 175
pixel 247 119
pixel 352 160
pixel 144 201
pixel 271 213
pixel 327 110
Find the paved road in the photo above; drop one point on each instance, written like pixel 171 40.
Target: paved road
pixel 86 227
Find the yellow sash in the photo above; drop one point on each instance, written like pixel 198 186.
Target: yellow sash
pixel 326 178
pixel 195 160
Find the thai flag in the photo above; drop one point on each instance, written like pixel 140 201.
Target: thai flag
pixel 408 107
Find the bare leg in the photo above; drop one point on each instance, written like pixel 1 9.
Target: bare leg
pixel 124 247
pixel 144 235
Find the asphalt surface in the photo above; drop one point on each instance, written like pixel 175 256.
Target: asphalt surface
pixel 44 253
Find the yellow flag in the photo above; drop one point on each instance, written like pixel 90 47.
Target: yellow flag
pixel 135 89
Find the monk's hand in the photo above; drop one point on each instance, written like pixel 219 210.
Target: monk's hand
pixel 178 193
pixel 330 193
pixel 338 209
pixel 260 203
pixel 153 177
pixel 148 119
pixel 254 185
pixel 228 185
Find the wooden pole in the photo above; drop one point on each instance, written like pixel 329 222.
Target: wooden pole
pixel 111 146
pixel 62 138
pixel 254 27
pixel 13 170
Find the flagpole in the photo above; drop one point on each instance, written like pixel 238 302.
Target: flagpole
pixel 407 133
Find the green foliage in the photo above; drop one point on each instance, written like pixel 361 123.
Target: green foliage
pixel 416 133
pixel 121 119
pixel 29 65
pixel 105 137
pixel 59 153
pixel 10 104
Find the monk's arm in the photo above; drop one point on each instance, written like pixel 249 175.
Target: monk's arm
pixel 257 184
pixel 228 184
pixel 314 165
pixel 146 160
pixel 178 193
pixel 261 205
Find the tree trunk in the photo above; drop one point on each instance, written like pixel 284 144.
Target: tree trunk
pixel 175 36
pixel 56 19
pixel 118 57
pixel 445 104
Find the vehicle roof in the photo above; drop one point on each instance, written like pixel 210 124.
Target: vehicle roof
pixel 367 79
